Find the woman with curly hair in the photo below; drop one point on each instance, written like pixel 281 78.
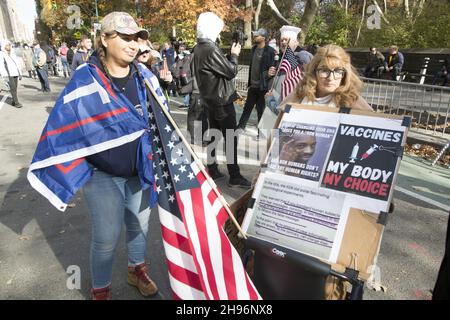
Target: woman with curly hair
pixel 330 79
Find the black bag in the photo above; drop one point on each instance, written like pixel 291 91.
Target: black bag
pixel 184 79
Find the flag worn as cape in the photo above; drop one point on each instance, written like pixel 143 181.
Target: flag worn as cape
pixel 90 117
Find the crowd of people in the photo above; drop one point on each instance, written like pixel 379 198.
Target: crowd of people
pixel 204 76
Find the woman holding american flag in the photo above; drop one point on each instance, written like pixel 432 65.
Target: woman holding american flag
pixel 97 138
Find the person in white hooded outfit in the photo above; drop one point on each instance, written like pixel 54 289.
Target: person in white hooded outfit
pixel 10 69
pixel 214 73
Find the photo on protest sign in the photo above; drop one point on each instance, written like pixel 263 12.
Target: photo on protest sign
pixel 308 220
pixel 300 149
pixel 364 158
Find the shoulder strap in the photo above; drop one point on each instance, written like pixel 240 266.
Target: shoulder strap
pixel 6 65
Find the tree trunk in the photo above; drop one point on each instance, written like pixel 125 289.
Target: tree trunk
pixel 248 26
pixel 361 23
pixel 406 4
pixel 311 8
pixel 257 12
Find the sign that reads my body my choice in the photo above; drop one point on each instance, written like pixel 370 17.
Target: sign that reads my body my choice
pixel 363 161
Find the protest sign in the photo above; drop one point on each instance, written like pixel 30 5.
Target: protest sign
pixel 297 217
pixel 364 160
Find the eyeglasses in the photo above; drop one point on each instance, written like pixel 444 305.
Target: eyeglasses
pixel 325 73
pixel 144 52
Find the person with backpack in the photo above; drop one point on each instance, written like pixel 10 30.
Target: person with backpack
pixel 40 63
pixel 63 50
pixel 71 53
pixel 50 56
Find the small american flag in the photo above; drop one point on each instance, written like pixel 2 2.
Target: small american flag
pixel 202 263
pixel 164 70
pixel 293 72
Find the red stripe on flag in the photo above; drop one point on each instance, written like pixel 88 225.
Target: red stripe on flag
pixel 200 223
pixel 197 266
pixel 222 216
pixel 69 168
pixel 212 197
pixel 253 294
pixel 184 276
pixel 83 122
pixel 227 263
pixel 105 82
pixel 176 240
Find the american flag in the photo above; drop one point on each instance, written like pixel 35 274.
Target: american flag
pixel 202 263
pixel 164 70
pixel 293 72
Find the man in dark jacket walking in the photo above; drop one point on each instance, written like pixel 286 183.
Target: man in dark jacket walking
pixel 262 59
pixel 214 73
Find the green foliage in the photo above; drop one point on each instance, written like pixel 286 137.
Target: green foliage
pixel 427 30
pixel 332 25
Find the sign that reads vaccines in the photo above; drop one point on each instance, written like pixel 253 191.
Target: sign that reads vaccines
pixel 363 161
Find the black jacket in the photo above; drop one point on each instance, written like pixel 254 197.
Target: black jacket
pixel 267 61
pixel 214 73
pixel 183 67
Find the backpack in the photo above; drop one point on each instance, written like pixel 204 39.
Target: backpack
pixel 63 51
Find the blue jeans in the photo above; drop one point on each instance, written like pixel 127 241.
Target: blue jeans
pixel 186 98
pixel 43 77
pixel 112 201
pixel 65 66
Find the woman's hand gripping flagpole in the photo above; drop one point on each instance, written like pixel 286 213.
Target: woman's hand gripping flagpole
pixel 196 159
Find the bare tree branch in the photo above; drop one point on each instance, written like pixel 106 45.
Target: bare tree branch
pixel 272 5
pixel 380 11
pixel 257 12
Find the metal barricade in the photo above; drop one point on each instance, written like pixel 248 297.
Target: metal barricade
pixel 428 106
pixel 242 79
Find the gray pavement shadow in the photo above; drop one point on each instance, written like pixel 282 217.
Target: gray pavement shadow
pixel 44 238
pixel 426 188
pixel 31 87
pixel 8 99
pixel 411 251
pixel 48 109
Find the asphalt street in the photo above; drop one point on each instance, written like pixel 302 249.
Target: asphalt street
pixel 40 246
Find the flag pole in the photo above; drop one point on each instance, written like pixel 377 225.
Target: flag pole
pixel 196 159
pixel 278 70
